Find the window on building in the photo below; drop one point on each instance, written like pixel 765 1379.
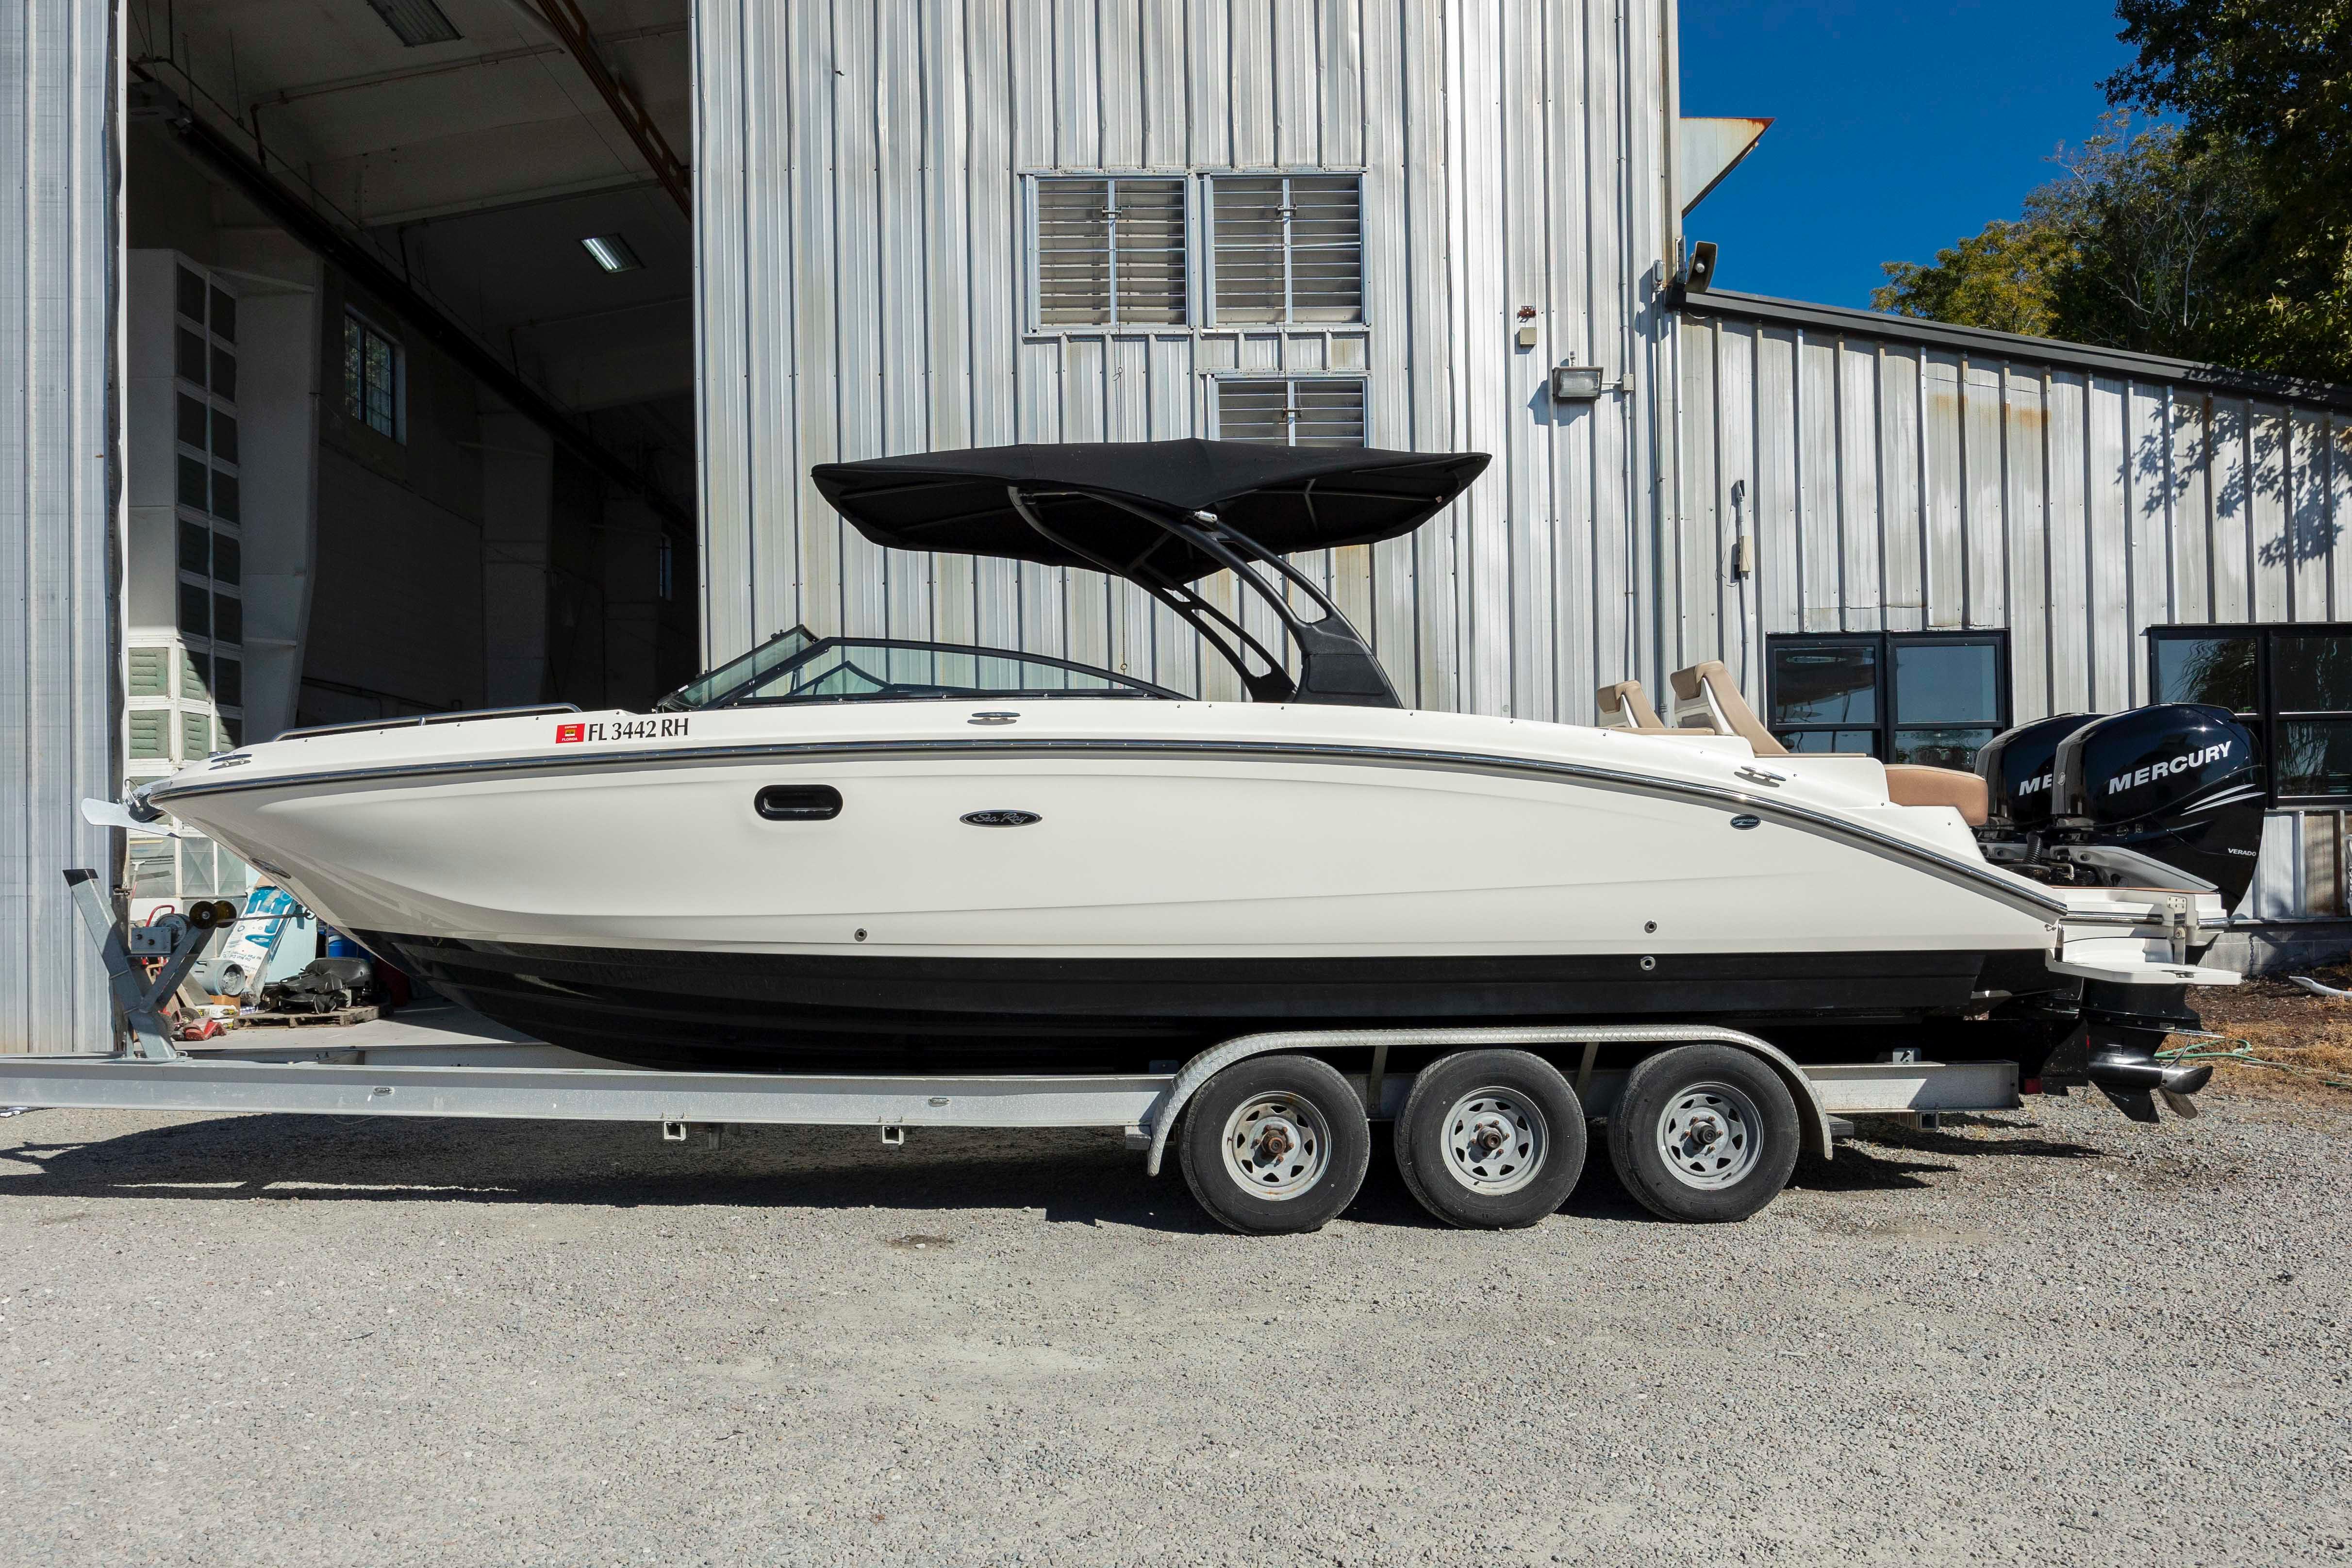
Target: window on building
pixel 1287 248
pixel 2291 684
pixel 1928 697
pixel 1304 411
pixel 1110 251
pixel 372 377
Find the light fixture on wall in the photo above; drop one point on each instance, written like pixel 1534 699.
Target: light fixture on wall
pixel 414 22
pixel 612 253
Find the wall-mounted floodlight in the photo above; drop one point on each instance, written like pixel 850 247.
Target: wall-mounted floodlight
pixel 612 253
pixel 1575 384
pixel 1702 267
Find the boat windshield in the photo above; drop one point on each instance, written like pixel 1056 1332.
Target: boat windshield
pixel 797 667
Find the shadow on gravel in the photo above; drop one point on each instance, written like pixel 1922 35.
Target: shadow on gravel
pixel 1073 1177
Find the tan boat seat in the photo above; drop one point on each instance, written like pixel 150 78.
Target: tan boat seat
pixel 1706 698
pixel 1625 706
pixel 1911 784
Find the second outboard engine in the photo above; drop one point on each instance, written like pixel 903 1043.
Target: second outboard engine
pixel 2171 795
pixel 2018 767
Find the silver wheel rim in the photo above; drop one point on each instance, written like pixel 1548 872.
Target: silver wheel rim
pixel 1711 1135
pixel 1276 1146
pixel 1495 1141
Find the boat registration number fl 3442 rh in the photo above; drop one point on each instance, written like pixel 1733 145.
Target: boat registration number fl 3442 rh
pixel 669 726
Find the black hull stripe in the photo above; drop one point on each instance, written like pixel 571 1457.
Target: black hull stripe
pixel 1977 877
pixel 782 1003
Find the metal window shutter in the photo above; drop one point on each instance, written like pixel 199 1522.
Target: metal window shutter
pixel 1073 252
pixel 1149 262
pixel 150 672
pixel 148 738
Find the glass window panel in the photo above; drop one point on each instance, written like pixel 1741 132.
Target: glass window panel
pixel 228 619
pixel 198 863
pixel 354 375
pixel 1947 683
pixel 189 296
pixel 195 609
pixel 226 506
pixel 223 321
pixel 192 422
pixel 228 559
pixel 195 547
pixel 191 361
pixel 224 437
pixel 194 489
pixel 1852 742
pixel 228 683
pixel 1824 684
pixel 2311 672
pixel 225 373
pixel 151 868
pixel 2217 670
pixel 2314 757
pixel 236 877
pixel 1945 746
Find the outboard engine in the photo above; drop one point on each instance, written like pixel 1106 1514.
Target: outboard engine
pixel 2018 767
pixel 2171 795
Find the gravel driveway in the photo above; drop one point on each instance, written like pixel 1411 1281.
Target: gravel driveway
pixel 2052 1337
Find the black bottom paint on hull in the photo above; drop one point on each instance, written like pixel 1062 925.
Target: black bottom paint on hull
pixel 818 1013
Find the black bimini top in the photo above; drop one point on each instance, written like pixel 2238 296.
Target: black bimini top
pixel 1284 498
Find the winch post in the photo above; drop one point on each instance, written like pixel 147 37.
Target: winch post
pixel 138 999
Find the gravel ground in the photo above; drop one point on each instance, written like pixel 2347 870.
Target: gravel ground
pixel 2037 1338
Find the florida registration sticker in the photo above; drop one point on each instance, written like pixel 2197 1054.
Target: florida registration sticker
pixel 567 733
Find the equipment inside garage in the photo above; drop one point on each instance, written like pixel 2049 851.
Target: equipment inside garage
pixel 410 340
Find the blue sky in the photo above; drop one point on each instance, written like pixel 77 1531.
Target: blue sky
pixel 1899 126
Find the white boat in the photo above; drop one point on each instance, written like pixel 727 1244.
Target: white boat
pixel 906 856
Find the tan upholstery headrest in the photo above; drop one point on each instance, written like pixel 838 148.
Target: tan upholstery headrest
pixel 1625 706
pixel 1706 695
pixel 1909 784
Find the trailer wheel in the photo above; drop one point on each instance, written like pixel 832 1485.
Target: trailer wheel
pixel 1276 1145
pixel 1703 1133
pixel 1491 1140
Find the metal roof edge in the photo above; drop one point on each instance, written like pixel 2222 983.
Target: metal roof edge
pixel 1983 343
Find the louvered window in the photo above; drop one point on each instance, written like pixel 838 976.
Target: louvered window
pixel 1287 247
pixel 1111 252
pixel 1314 410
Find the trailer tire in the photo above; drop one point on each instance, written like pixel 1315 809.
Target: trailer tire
pixel 1275 1145
pixel 1703 1133
pixel 1491 1140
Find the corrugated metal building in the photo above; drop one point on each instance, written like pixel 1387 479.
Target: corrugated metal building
pixel 60 492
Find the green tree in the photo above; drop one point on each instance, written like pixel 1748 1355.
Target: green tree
pixel 2000 279
pixel 2273 78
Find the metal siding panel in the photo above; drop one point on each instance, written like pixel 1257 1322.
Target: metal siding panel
pixel 1209 72
pixel 1077 85
pixel 2107 601
pixel 1944 501
pixel 1531 526
pixel 1160 45
pixel 1819 558
pixel 1297 84
pixel 2338 443
pixel 2147 515
pixel 1251 62
pixel 993 350
pixel 2229 474
pixel 858 296
pixel 767 454
pixel 1780 593
pixel 1701 524
pixel 730 521
pixel 1902 528
pixel 2268 463
pixel 2024 424
pixel 1121 74
pixel 950 256
pixel 1428 324
pixel 903 369
pixel 1743 622
pixel 2067 546
pixel 1984 517
pixel 59 670
pixel 2310 531
pixel 1388 307
pixel 816 339
pixel 1342 44
pixel 2192 511
pixel 1484 530
pixel 1860 517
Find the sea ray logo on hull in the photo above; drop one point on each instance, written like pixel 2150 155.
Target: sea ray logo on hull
pixel 1001 819
pixel 2180 764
